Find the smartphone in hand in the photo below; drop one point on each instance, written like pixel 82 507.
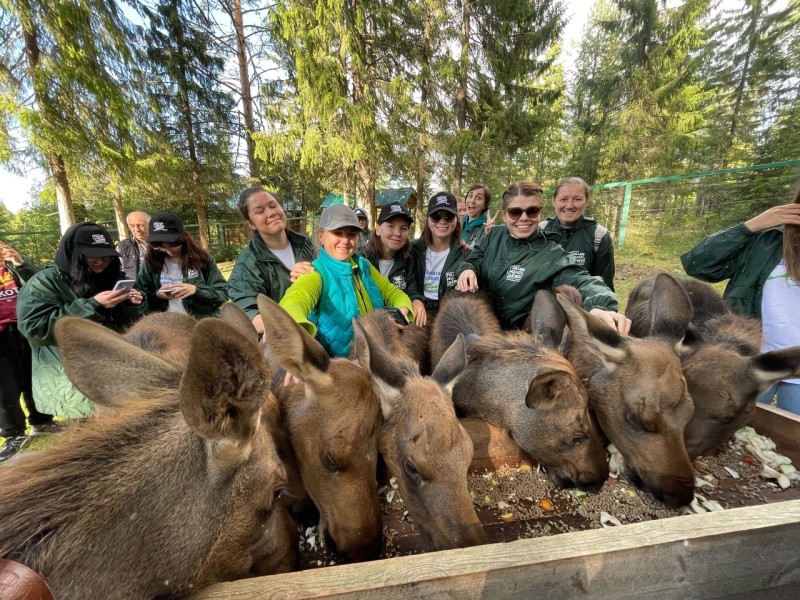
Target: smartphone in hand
pixel 124 284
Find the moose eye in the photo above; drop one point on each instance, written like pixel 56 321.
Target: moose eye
pixel 634 421
pixel 329 463
pixel 411 472
pixel 577 440
pixel 278 493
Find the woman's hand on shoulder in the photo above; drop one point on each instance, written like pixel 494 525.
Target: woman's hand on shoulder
pixel 786 214
pixel 300 268
pixel 467 281
pixel 620 323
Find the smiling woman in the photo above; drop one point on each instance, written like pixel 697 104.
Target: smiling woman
pixel 342 286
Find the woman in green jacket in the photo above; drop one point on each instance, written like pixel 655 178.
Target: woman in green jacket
pixel 342 286
pixel 476 206
pixel 80 284
pixel 273 259
pixel 177 274
pixel 436 256
pixel 389 249
pixel 745 254
pixel 513 262
pixel 588 242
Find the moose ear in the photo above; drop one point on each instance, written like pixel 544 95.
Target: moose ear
pixel 593 338
pixel 452 364
pixel 544 388
pixel 291 346
pixel 225 383
pixel 670 310
pixel 373 358
pixel 237 318
pixel 774 366
pixel 547 319
pixel 106 368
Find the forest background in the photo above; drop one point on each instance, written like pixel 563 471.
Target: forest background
pixel 179 104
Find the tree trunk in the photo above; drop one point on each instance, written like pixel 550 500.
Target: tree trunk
pixel 202 223
pixel 461 97
pixel 234 8
pixel 119 215
pixel 66 214
pixel 424 114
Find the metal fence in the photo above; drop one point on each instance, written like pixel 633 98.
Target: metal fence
pixel 669 215
pixel 660 216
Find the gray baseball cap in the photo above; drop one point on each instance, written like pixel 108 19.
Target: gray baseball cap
pixel 338 216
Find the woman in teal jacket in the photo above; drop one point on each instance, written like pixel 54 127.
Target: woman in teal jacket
pixel 273 259
pixel 177 274
pixel 476 206
pixel 436 256
pixel 342 286
pixel 80 284
pixel 513 262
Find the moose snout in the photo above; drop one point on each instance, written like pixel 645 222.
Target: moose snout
pixel 672 490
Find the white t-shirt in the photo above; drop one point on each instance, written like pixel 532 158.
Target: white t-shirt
pixel 434 263
pixel 385 266
pixel 286 256
pixel 780 301
pixel 171 274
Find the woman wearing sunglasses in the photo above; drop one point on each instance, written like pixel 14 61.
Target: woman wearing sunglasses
pixel 177 274
pixel 435 256
pixel 588 242
pixel 513 262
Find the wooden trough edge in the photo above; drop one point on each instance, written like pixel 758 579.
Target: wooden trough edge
pixel 749 550
pixel 744 552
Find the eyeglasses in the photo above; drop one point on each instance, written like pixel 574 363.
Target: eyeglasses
pixel 162 246
pixel 447 217
pixel 516 212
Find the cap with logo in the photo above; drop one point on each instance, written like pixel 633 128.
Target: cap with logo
pixel 338 216
pixel 164 227
pixel 442 201
pixel 94 241
pixel 394 209
pixel 361 213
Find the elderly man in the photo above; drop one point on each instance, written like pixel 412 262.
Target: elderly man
pixel 131 250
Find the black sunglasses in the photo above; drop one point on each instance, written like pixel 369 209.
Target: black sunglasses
pixel 516 212
pixel 447 217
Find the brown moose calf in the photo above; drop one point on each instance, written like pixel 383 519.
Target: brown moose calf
pixel 172 491
pixel 722 363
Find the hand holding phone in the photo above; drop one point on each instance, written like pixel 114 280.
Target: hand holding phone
pixel 124 284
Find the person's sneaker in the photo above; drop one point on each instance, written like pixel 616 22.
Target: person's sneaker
pixel 12 445
pixel 49 427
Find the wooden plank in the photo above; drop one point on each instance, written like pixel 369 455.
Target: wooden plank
pixel 746 551
pixel 782 427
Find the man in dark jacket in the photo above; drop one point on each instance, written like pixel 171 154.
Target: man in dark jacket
pixel 131 250
pixel 15 360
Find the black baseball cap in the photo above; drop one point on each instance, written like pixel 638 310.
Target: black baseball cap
pixel 94 241
pixel 164 227
pixel 361 213
pixel 442 201
pixel 394 209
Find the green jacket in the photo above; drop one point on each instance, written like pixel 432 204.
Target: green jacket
pixel 744 257
pixel 512 271
pixel 450 271
pixel 588 243
pixel 473 230
pixel 259 271
pixel 401 275
pixel 44 299
pixel 205 302
pixel 304 294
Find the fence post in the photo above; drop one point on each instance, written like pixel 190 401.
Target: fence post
pixel 626 208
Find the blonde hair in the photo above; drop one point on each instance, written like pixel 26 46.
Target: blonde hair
pixel 791 244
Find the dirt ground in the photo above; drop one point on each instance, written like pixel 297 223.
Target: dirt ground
pixel 518 502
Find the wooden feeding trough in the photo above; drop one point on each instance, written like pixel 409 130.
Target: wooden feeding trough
pixel 748 552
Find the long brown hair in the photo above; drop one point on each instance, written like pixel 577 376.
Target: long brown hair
pixel 791 244
pixel 192 255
